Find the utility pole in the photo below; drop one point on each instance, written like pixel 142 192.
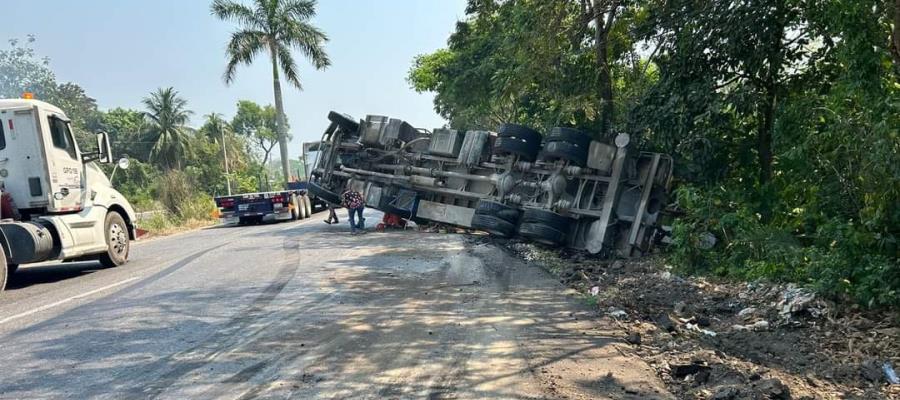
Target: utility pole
pixel 227 173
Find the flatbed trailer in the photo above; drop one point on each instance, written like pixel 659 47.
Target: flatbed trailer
pixel 246 208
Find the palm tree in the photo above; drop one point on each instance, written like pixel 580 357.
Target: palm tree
pixel 276 26
pixel 166 116
pixel 217 130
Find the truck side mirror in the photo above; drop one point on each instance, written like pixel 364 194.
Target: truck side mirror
pixel 104 148
pixel 103 153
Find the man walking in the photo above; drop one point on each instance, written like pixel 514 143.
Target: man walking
pixel 332 216
pixel 354 203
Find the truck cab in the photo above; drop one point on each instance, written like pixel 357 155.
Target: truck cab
pixel 58 204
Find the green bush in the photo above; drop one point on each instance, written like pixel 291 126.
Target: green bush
pixel 839 257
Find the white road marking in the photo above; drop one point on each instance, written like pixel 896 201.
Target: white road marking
pixel 64 301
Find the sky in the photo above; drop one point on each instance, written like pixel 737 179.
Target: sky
pixel 121 50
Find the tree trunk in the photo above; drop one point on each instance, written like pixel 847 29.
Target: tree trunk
pixel 604 77
pixel 279 120
pixel 895 37
pixel 764 140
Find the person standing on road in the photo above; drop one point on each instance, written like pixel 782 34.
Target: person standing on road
pixel 355 205
pixel 332 216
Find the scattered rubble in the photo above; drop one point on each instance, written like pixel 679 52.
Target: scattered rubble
pixel 750 340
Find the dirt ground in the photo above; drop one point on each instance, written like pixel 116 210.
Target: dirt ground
pixel 719 340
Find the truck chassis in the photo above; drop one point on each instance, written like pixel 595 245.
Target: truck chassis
pixel 559 189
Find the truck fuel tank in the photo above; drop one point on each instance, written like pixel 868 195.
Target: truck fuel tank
pixel 29 242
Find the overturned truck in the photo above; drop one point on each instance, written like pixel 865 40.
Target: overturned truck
pixel 558 189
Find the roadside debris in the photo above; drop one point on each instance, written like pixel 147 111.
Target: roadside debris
pixel 890 374
pixel 758 340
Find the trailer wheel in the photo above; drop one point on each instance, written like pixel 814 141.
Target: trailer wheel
pixel 565 151
pixel 4 272
pixel 301 208
pixel 526 150
pixel 541 233
pixel 574 136
pixel 117 242
pixel 494 226
pixel 548 218
pixel 499 210
pixel 307 205
pixel 520 132
pixel 296 214
pixel 344 121
pixel 324 194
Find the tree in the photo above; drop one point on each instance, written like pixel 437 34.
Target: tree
pixel 278 27
pixel 258 124
pixel 21 71
pixel 127 133
pixel 167 115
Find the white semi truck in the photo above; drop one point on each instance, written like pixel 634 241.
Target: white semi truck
pixel 56 202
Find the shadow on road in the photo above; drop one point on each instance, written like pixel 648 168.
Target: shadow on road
pixel 373 316
pixel 30 275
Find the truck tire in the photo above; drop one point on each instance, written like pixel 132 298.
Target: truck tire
pixel 345 122
pixel 296 213
pixel 527 151
pixel 117 242
pixel 499 210
pixel 574 136
pixel 565 151
pixel 4 272
pixel 307 205
pixel 301 208
pixel 541 233
pixel 494 226
pixel 324 194
pixel 521 132
pixel 548 218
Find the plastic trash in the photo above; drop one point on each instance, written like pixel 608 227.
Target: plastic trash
pixel 890 374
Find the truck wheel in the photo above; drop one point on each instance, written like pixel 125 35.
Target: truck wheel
pixel 493 225
pixel 324 194
pixel 499 210
pixel 565 151
pixel 296 213
pixel 528 151
pixel 551 219
pixel 117 243
pixel 574 136
pixel 301 208
pixel 344 121
pixel 520 132
pixel 541 233
pixel 306 203
pixel 4 272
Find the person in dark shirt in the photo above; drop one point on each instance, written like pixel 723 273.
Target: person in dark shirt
pixel 355 205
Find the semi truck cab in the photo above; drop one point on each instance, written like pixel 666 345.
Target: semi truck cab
pixel 58 204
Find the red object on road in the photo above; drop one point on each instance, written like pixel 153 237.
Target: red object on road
pixel 390 221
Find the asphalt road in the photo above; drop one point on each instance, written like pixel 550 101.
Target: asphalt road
pixel 304 310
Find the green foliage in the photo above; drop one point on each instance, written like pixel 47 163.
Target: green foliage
pixel 166 117
pixel 782 116
pixel 21 71
pixel 275 27
pixel 258 124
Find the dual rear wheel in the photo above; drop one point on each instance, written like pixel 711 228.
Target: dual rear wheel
pixel 541 226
